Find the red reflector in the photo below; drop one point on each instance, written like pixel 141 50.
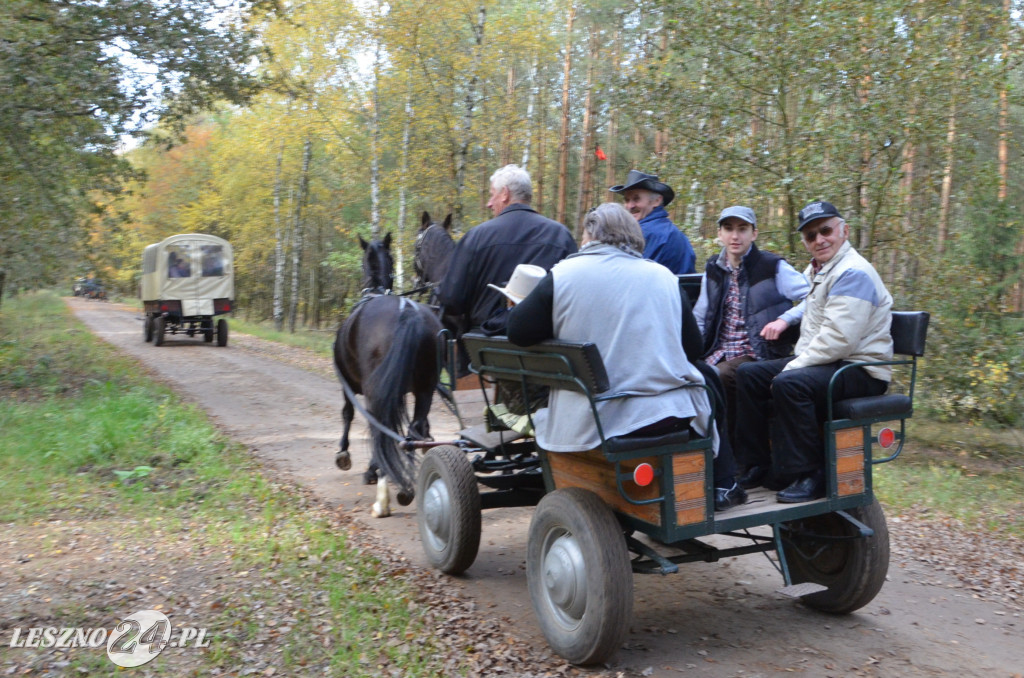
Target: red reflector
pixel 886 437
pixel 643 474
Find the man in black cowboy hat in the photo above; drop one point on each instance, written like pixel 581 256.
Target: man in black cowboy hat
pixel 646 198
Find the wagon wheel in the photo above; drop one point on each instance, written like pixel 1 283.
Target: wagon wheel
pixel 159 325
pixel 449 509
pixel 853 569
pixel 207 327
pixel 577 566
pixel 222 332
pixel 147 328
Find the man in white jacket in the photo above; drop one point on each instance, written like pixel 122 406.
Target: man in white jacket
pixel 782 402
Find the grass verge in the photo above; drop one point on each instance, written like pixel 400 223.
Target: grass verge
pixel 320 342
pixel 102 469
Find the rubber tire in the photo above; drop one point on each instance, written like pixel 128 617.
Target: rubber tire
pixel 448 493
pixel 222 332
pixel 853 570
pixel 596 547
pixel 159 326
pixel 207 328
pixel 147 328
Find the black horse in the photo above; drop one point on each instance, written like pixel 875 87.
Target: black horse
pixel 433 250
pixel 433 253
pixel 386 348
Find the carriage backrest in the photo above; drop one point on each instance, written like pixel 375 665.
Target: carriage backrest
pixel 558 364
pixel 690 283
pixel 909 331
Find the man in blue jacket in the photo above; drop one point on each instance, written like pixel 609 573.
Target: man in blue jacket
pixel 646 199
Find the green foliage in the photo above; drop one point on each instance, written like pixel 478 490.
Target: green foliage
pixel 74 77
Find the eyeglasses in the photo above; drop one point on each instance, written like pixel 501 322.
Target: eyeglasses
pixel 812 235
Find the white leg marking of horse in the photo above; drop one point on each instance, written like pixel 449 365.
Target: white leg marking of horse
pixel 381 508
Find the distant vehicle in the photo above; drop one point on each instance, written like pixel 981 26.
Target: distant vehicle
pixel 187 280
pixel 91 288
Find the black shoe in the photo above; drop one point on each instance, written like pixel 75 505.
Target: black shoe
pixel 753 477
pixel 808 488
pixel 727 497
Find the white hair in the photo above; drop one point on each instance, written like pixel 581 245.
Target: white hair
pixel 516 180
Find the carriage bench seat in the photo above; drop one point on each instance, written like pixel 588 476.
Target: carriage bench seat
pixel 892 406
pixel 909 330
pixel 850 440
pixel 627 443
pixel 558 364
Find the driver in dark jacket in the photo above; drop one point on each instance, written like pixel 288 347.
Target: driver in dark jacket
pixel 490 252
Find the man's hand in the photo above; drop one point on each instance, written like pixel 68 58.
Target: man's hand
pixel 774 329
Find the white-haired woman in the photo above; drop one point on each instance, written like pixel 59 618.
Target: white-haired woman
pixel 635 313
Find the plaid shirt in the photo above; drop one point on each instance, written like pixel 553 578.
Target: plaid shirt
pixel 733 341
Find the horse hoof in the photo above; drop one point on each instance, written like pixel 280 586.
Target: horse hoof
pixel 343 460
pixel 405 498
pixel 370 478
pixel 378 511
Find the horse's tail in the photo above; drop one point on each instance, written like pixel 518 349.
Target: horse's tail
pixel 385 391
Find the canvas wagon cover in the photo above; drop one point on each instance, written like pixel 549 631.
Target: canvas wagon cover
pixel 193 268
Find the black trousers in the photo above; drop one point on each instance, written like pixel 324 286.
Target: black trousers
pixel 780 414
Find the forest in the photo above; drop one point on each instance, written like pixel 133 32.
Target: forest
pixel 292 127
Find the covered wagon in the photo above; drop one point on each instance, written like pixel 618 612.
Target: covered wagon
pixel 187 280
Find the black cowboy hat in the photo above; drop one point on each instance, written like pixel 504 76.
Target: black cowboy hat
pixel 649 182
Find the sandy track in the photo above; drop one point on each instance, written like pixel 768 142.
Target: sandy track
pixel 711 619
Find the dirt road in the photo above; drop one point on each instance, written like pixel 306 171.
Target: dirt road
pixel 711 619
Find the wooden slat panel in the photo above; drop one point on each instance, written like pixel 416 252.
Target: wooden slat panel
pixel 850 463
pixel 689 473
pixel 850 484
pixel 591 471
pixel 849 437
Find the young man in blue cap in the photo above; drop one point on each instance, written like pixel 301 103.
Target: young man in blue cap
pixel 646 199
pixel 847 315
pixel 746 301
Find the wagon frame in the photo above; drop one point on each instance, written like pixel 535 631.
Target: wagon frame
pixel 832 553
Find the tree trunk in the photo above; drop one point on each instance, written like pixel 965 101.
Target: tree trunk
pixel 946 192
pixel 563 137
pixel 583 196
pixel 538 194
pixel 530 127
pixel 510 125
pixel 297 238
pixel 465 127
pixel 613 118
pixel 278 248
pixel 375 149
pixel 399 249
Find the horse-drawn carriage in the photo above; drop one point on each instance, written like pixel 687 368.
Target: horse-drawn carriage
pixel 187 281
pixel 651 497
pixel 643 505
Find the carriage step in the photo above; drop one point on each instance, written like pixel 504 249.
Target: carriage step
pixel 801 590
pixel 488 440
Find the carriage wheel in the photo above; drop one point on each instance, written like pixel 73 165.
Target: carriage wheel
pixel 852 568
pixel 449 510
pixel 147 328
pixel 222 332
pixel 207 326
pixel 581 584
pixel 159 325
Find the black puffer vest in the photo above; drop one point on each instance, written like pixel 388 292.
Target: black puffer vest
pixel 760 302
